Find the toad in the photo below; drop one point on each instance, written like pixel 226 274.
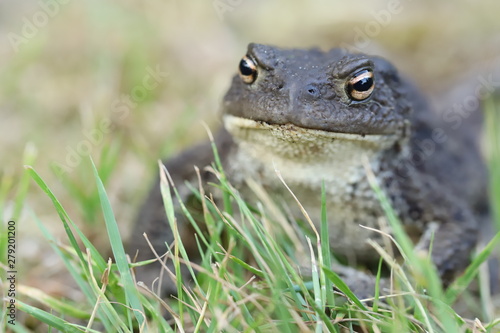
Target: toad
pixel 324 117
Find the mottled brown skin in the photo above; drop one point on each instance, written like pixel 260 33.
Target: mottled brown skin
pixel 436 183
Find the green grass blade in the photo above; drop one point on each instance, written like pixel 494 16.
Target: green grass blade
pixel 66 307
pixel 109 159
pixel 337 281
pixel 60 211
pixel 179 246
pixel 67 222
pixel 122 264
pixel 463 281
pixel 325 250
pixel 492 125
pixel 218 166
pixel 76 273
pixel 50 319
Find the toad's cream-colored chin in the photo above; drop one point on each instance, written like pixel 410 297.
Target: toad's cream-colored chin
pixel 249 130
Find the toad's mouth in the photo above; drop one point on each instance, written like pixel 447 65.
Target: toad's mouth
pixel 243 128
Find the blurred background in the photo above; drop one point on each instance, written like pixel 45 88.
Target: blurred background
pixel 129 82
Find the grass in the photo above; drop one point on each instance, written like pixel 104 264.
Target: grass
pixel 233 292
pixel 49 87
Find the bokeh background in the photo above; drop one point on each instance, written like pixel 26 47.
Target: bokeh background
pixel 129 82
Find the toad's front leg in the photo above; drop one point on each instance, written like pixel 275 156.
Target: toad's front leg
pixel 449 229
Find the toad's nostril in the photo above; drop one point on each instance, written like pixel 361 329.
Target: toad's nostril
pixel 312 90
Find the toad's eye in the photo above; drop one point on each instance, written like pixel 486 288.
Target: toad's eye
pixel 360 85
pixel 248 70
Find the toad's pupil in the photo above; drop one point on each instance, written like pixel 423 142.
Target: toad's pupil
pixel 364 84
pixel 245 68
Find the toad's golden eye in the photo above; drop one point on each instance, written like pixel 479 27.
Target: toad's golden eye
pixel 360 85
pixel 248 70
